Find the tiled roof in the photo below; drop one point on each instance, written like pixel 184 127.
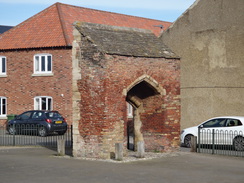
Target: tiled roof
pixel 124 41
pixel 52 27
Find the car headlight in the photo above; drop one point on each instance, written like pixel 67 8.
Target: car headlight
pixel 182 131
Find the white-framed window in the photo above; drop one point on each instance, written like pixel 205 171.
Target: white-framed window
pixel 3 106
pixel 129 110
pixel 3 65
pixel 42 64
pixel 43 103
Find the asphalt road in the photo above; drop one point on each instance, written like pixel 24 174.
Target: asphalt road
pixel 38 165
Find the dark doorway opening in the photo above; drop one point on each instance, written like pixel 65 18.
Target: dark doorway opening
pixel 138 93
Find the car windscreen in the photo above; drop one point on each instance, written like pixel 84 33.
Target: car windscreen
pixel 53 115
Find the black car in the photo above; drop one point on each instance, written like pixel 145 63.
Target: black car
pixel 38 122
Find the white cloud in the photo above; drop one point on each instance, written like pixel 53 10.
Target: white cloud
pixel 135 4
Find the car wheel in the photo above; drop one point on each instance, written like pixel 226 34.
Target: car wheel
pixel 238 144
pixel 42 131
pixel 187 140
pixel 11 130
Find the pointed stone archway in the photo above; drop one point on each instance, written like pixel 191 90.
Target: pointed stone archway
pixel 137 94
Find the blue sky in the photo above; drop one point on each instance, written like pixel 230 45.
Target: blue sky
pixel 13 12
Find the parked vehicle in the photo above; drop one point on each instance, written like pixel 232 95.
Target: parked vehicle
pixel 38 122
pixel 228 130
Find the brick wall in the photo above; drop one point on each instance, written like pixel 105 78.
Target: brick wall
pixel 103 88
pixel 161 113
pixel 20 87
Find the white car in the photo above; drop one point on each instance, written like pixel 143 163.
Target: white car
pixel 228 130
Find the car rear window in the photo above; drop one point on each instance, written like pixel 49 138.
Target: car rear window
pixel 53 115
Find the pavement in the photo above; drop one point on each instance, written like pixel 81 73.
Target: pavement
pixel 42 165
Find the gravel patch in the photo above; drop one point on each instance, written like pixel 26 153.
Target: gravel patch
pixel 132 157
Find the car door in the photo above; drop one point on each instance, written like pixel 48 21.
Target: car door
pixel 213 128
pixel 35 120
pixel 233 129
pixel 22 121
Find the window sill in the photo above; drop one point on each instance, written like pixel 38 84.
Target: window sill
pixel 3 117
pixel 42 74
pixel 3 76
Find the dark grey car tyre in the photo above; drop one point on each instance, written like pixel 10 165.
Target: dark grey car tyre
pixel 187 140
pixel 238 143
pixel 42 131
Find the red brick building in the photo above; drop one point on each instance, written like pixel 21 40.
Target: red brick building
pixel 36 57
pixel 115 65
pixel 89 84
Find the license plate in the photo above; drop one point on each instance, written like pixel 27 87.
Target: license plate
pixel 58 122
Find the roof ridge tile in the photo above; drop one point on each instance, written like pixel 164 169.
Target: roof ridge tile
pixel 111 12
pixel 61 22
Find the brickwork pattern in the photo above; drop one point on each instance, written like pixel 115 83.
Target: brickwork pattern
pixel 104 78
pixel 20 86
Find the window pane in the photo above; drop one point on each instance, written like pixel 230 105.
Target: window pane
pixel 3 65
pixel 37 63
pixel 49 104
pixel 44 106
pixel 49 63
pixel 214 123
pixel 43 103
pixel 37 104
pixel 53 115
pixel 43 63
pixel 26 115
pixel 4 107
